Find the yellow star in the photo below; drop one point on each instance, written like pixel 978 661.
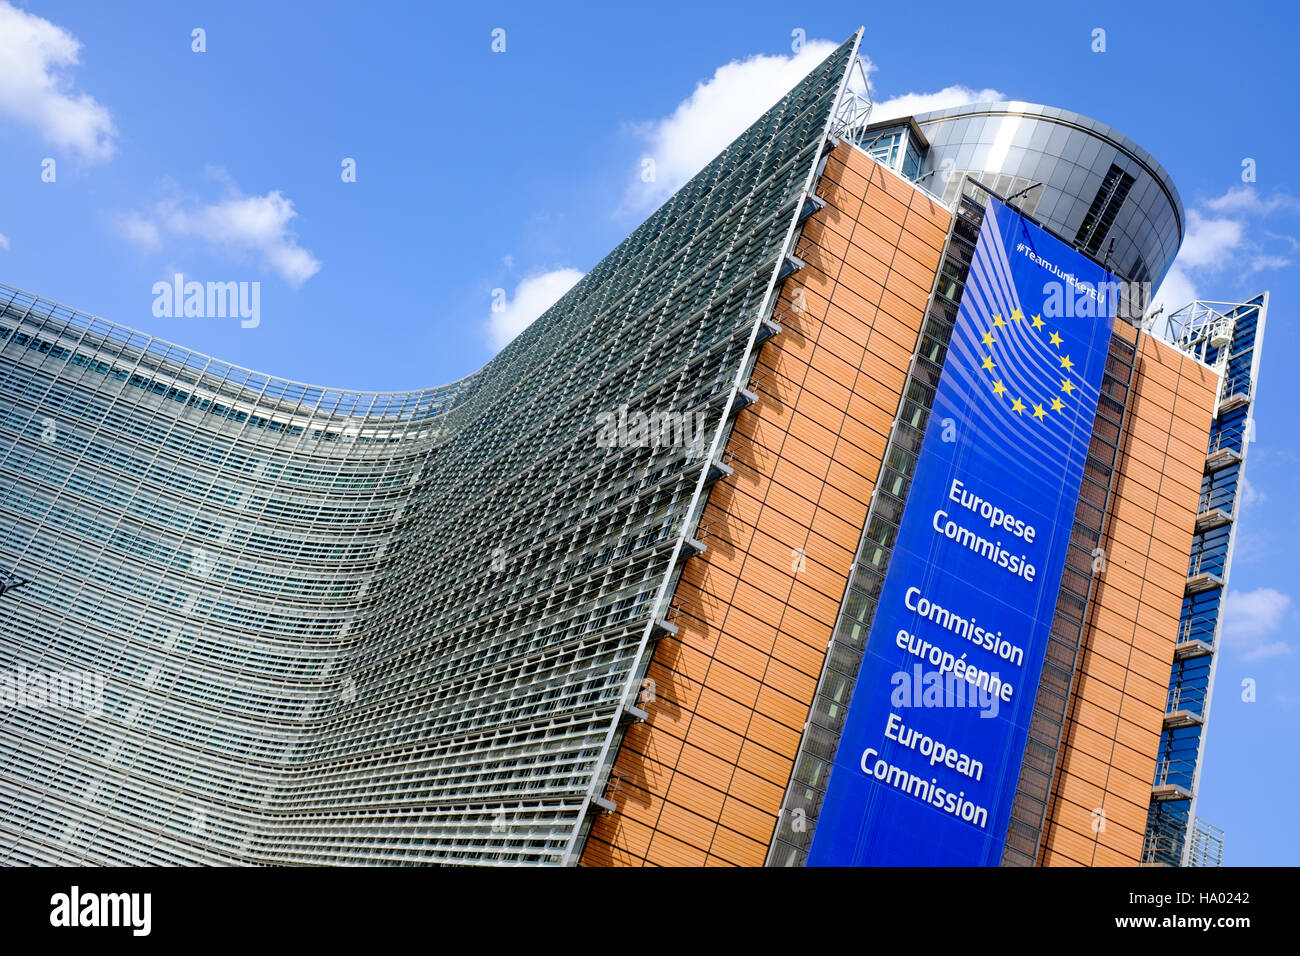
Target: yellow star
pixel 1067 386
pixel 1017 315
pixel 1037 320
pixel 1038 411
pixel 988 338
pixel 997 321
pixel 1017 406
pixel 1057 404
pixel 998 387
pixel 1054 339
pixel 988 364
pixel 1066 363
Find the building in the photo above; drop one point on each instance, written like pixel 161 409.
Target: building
pixel 605 600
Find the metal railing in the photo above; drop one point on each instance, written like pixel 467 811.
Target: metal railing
pixel 1174 772
pixel 1190 699
pixel 1207 845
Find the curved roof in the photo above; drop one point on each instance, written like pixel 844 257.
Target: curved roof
pixel 1077 121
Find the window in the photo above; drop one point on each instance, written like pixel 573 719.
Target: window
pixel 1105 206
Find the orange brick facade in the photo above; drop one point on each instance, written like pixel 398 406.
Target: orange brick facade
pixel 1098 809
pixel 700 782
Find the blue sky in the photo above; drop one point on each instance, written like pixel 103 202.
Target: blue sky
pixel 518 170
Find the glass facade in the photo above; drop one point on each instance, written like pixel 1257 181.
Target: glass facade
pixel 897 149
pixel 1097 185
pixel 1230 339
pixel 347 627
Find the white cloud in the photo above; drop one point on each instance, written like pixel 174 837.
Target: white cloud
pixel 1218 239
pixel 1249 617
pixel 237 225
pixel 724 105
pixel 1292 243
pixel 1176 290
pixel 1209 242
pixel 533 296
pixel 718 111
pixel 910 104
pixel 1250 495
pixel 142 232
pixel 1246 199
pixel 35 91
pixel 1208 246
pixel 1262 263
pixel 4 242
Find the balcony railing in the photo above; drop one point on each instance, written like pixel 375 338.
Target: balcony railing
pixel 1207 845
pixel 1175 772
pixel 1236 390
pixel 1209 562
pixel 1185 707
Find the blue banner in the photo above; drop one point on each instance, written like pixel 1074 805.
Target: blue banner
pixel 930 754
